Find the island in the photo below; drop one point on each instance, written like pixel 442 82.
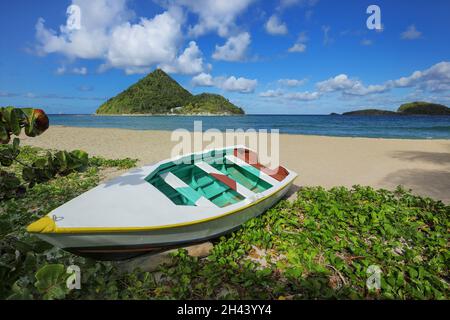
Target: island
pixel 159 94
pixel 412 108
pixel 370 112
pixel 424 108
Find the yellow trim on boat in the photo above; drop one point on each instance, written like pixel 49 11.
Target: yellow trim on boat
pixel 47 225
pixel 43 225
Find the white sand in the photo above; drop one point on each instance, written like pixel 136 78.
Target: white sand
pixel 422 165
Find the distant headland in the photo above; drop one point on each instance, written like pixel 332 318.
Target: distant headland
pixel 412 108
pixel 159 94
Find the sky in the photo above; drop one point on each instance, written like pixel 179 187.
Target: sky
pixel 268 57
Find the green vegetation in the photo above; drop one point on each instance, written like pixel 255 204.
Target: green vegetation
pixel 318 246
pixel 370 112
pixel 426 108
pixel 158 93
pixel 34 122
pixel 207 103
pixel 413 108
pixel 31 268
pixel 12 120
pixel 126 163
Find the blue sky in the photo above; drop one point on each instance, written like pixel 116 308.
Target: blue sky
pixel 269 57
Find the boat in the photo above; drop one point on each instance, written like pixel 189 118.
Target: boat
pixel 183 200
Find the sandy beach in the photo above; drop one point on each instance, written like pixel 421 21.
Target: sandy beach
pixel 422 165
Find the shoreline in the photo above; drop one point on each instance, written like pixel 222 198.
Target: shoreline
pixel 284 133
pixel 422 165
pixel 168 115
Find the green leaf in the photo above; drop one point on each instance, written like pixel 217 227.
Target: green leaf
pixel 412 273
pixel 20 293
pixel 15 144
pixel 4 134
pixel 28 174
pixel 51 281
pixel 12 117
pixel 61 160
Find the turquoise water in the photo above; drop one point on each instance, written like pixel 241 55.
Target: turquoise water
pixel 411 127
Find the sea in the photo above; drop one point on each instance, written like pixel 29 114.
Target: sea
pixel 398 127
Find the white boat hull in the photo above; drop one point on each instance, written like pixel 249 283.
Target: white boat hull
pixel 123 245
pixel 171 203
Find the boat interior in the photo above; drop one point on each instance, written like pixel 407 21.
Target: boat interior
pixel 217 181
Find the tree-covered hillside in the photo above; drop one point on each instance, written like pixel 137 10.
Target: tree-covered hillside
pixel 208 103
pixel 155 94
pixel 426 108
pixel 158 93
pixel 412 108
pixel 369 112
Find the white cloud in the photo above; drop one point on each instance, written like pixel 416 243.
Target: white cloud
pixel 411 33
pixel 234 49
pixel 151 41
pixel 297 47
pixel 360 90
pixel 366 42
pixel 271 94
pixel 435 78
pixel 91 40
pixel 189 62
pixel 299 96
pixel 203 80
pixel 275 27
pixel 339 82
pixel 292 82
pixel 241 85
pixel 107 34
pixel 215 15
pixel 303 96
pixel 233 84
pixel 348 86
pixel 79 71
pixel 61 70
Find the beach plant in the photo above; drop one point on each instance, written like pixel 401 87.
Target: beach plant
pixel 24 258
pixel 51 281
pixel 47 167
pixel 13 120
pixel 125 163
pixel 34 122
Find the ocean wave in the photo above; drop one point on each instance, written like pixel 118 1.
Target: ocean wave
pixel 435 128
